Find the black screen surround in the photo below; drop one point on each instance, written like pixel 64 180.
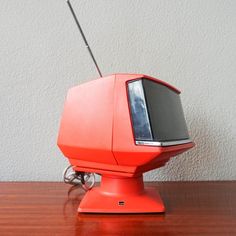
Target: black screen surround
pixel 156 112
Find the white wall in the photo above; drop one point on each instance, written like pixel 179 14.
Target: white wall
pixel 188 43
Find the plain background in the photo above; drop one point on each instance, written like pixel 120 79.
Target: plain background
pixel 187 43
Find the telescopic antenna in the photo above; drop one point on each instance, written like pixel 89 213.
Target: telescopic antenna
pixel 83 36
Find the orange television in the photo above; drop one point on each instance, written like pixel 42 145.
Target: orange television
pixel 120 127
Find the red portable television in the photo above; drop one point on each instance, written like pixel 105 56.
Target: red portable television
pixel 121 126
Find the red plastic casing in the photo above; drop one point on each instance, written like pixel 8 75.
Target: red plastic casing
pixel 96 131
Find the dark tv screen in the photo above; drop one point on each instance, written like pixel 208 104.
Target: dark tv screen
pixel 165 112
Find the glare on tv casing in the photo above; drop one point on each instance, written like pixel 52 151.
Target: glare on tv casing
pixel 119 127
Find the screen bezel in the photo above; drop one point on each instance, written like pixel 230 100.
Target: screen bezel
pixel 152 142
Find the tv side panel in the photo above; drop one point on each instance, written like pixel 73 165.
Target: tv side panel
pixel 86 124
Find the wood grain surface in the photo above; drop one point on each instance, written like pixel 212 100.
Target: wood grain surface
pixel 192 208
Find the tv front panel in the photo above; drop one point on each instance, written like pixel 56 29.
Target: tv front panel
pixel 156 113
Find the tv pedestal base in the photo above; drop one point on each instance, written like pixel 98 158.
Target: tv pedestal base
pixel 121 195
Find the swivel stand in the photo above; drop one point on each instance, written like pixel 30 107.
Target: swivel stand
pixel 121 195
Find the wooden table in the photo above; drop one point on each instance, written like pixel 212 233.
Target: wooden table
pixel 192 208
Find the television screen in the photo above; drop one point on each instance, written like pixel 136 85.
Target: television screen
pixel 156 112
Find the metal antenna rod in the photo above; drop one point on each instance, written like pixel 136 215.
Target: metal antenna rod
pixel 83 36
